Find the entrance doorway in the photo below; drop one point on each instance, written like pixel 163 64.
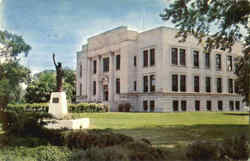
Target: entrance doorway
pixel 105 92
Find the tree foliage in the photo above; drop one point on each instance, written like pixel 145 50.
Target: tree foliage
pixel 218 23
pixel 13 44
pixel 44 83
pixel 12 75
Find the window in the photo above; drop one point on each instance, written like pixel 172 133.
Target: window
pixel 118 62
pixel 184 105
pixel 175 105
pixel 230 85
pixel 152 83
pixel 236 87
pixel 145 58
pixel 209 105
pixel 174 54
pixel 80 70
pixel 135 86
pixel 175 83
pixel 220 105
pixel 135 61
pixel 105 64
pixel 145 83
pixel 152 57
pixel 145 105
pixel 231 105
pixel 229 63
pixel 118 85
pixel 94 88
pixel 196 84
pixel 207 60
pixel 94 66
pixel 208 84
pixel 197 105
pixel 196 58
pixel 219 85
pixel 237 105
pixel 80 89
pixel 183 83
pixel 218 62
pixel 152 106
pixel 182 57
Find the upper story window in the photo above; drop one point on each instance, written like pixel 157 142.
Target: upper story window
pixel 229 63
pixel 196 58
pixel 135 61
pixel 118 85
pixel 80 70
pixel 182 57
pixel 230 85
pixel 145 58
pixel 152 57
pixel 174 56
pixel 218 62
pixel 183 83
pixel 175 83
pixel 219 85
pixel 106 64
pixel 208 84
pixel 207 60
pixel 152 83
pixel 118 62
pixel 94 66
pixel 145 83
pixel 196 84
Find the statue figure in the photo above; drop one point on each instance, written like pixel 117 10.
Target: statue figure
pixel 59 75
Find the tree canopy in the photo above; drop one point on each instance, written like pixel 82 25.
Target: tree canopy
pixel 13 44
pixel 218 23
pixel 44 83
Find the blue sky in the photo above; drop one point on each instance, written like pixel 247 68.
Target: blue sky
pixel 62 26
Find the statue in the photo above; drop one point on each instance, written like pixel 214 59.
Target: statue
pixel 59 75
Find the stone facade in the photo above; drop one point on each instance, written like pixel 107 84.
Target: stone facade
pixel 153 71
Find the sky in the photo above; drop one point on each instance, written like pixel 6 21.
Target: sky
pixel 62 26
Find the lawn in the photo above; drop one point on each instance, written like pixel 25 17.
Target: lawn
pixel 173 131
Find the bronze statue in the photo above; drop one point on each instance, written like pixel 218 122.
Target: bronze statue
pixel 59 75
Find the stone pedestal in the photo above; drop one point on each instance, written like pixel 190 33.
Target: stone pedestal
pixel 82 123
pixel 58 104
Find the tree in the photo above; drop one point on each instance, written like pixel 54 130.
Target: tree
pixel 217 24
pixel 12 75
pixel 44 83
pixel 221 20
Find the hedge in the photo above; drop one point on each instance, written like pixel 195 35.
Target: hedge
pixel 44 107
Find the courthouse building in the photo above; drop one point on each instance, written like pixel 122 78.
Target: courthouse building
pixel 154 72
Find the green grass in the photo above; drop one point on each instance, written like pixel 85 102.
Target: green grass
pixel 173 131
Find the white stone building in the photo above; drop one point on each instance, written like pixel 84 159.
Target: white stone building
pixel 154 72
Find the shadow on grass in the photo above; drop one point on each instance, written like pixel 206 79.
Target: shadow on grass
pixel 237 114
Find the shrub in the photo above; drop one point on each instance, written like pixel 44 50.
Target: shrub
pixel 52 153
pixel 85 139
pixel 236 148
pixel 44 107
pixel 203 151
pixel 24 123
pixel 124 107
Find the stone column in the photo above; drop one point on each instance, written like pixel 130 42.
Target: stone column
pixel 89 84
pixel 111 81
pixel 99 82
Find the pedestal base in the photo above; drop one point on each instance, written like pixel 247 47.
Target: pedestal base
pixel 82 123
pixel 58 104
